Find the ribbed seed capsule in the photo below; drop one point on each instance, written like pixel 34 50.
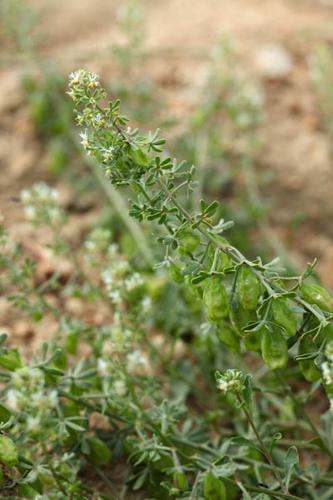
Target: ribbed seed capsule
pixel 228 336
pixel 252 340
pixel 241 318
pixel 308 367
pixel 215 299
pixel 274 349
pixel 284 316
pixel 316 294
pixel 188 242
pixel 175 273
pixel 248 288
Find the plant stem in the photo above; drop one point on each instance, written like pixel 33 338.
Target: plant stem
pixel 263 447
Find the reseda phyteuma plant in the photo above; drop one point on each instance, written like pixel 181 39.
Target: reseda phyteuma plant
pixel 252 305
pixel 252 298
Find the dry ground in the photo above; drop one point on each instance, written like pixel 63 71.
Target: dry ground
pixel 180 34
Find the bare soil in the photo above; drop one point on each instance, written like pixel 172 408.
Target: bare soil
pixel 179 37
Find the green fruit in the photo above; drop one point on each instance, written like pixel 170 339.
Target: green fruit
pixel 188 241
pixel 223 260
pixel 228 336
pixel 308 367
pixel 252 340
pixel 325 335
pixel 274 349
pixel 215 298
pixel 8 452
pixel 284 316
pixel 241 318
pixel 316 294
pixel 248 288
pixel 99 452
pixel 176 273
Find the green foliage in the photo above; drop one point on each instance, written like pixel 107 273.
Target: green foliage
pixel 126 380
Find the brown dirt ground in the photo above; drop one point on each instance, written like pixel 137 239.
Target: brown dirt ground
pixel 179 36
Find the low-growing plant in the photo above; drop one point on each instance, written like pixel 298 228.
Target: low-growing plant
pixel 208 385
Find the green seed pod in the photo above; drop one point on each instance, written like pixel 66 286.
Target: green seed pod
pixel 308 367
pixel 228 337
pixel 175 273
pixel 8 452
pixel 223 260
pixel 325 335
pixel 188 242
pixel 274 349
pixel 215 298
pixel 284 315
pixel 252 340
pixel 316 294
pixel 248 288
pixel 240 318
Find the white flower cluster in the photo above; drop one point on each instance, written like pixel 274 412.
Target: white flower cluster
pixel 41 204
pixel 134 281
pixel 98 242
pixel 119 281
pixel 83 77
pixel 231 381
pixel 137 363
pixel 28 391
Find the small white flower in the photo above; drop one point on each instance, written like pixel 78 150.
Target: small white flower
pixel 33 424
pixel 52 398
pixel 102 367
pixel 133 282
pixel 146 304
pixel 84 139
pixel 107 277
pixel 113 249
pixel 12 400
pixel 136 361
pixel 327 373
pixel 115 296
pixel 119 387
pixel 76 77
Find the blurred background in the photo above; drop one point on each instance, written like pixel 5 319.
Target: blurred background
pixel 241 88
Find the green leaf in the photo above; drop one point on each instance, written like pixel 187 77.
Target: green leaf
pixel 4 414
pixel 10 359
pixel 99 452
pixel 290 461
pixel 3 338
